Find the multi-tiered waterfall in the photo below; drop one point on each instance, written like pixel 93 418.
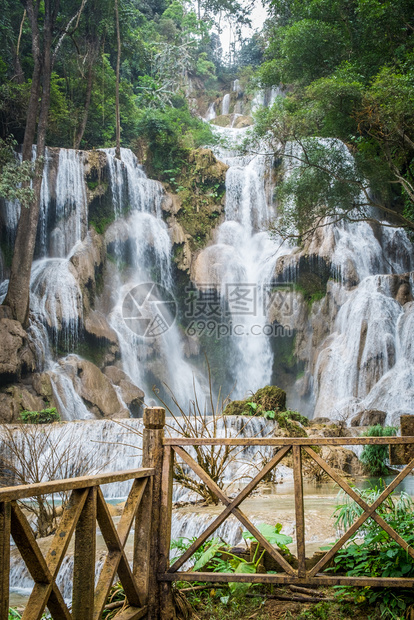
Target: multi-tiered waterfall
pixel 353 344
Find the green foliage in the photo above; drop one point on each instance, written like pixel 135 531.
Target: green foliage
pixel 170 134
pixel 272 534
pixel 45 416
pixel 215 555
pixel 13 175
pixel 374 553
pixel 14 614
pixel 375 457
pixel 350 70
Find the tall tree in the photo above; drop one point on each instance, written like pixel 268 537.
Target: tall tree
pixel 43 30
pixel 118 67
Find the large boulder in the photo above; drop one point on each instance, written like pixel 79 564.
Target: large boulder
pixel 93 387
pixel 370 417
pixel 132 396
pixel 342 459
pixel 17 357
pixel 15 399
pixel 97 327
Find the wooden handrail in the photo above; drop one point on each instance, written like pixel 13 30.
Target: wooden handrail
pixel 286 441
pixel 24 491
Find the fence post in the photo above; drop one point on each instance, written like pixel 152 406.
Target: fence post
pixel 4 558
pixel 152 456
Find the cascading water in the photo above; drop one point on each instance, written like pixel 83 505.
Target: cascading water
pixel 225 105
pixel 241 263
pixel 211 112
pixel 149 257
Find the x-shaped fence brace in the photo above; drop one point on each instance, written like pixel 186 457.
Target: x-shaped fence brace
pixel 290 575
pixel 85 507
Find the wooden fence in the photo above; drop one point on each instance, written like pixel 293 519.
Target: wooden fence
pixel 149 506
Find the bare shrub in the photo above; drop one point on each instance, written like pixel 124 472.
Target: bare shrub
pixel 32 453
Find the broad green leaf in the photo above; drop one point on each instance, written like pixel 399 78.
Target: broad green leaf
pixel 271 533
pixel 240 589
pixel 207 555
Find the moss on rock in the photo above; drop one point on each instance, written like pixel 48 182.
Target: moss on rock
pixel 201 188
pixel 270 398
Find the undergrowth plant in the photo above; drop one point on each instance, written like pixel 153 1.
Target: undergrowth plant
pixel 375 457
pixel 371 552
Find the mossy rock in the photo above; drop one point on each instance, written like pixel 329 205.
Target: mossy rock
pixel 236 407
pixel 270 398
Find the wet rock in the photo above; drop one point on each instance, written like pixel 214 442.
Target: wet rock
pixel 9 409
pixel 370 417
pixel 93 386
pixel 42 385
pixel 342 459
pixel 17 357
pixel 242 121
pixel 88 261
pixel 132 395
pixel 98 327
pixel 15 399
pixel 171 203
pixel 320 421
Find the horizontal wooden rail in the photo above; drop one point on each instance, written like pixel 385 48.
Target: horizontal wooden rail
pixel 286 441
pixel 24 491
pixel 282 578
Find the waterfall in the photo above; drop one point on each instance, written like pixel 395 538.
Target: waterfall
pixel 149 258
pixel 225 106
pixel 211 112
pixel 241 262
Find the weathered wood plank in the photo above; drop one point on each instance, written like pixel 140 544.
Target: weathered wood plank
pixel 24 491
pixel 285 441
pixel 229 508
pixel 299 510
pixel 84 560
pixel 167 609
pixel 116 560
pixel 142 543
pixel 65 530
pixel 132 613
pixel 152 456
pixel 236 511
pixel 282 578
pixel 5 517
pixel 45 587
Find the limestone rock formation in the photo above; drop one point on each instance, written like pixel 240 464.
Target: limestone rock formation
pixel 371 417
pixel 98 327
pixel 16 353
pixel 94 387
pixel 88 261
pixel 15 399
pixel 132 396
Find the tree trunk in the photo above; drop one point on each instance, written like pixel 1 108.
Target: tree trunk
pixel 82 126
pixel 118 66
pixel 18 293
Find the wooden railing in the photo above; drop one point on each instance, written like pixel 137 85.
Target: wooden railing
pixel 297 447
pixel 86 508
pixel 148 583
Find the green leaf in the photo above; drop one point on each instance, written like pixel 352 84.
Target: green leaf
pixel 240 589
pixel 271 533
pixel 207 555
